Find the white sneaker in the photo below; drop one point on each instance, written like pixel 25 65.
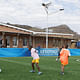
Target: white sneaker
pixel 62 73
pixel 39 73
pixel 32 71
pixel 0 70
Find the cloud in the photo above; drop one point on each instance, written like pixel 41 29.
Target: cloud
pixel 72 1
pixel 31 12
pixel 20 8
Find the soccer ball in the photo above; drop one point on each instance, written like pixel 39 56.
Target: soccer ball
pixel 0 70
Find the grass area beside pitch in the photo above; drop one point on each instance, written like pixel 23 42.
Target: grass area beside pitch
pixel 17 68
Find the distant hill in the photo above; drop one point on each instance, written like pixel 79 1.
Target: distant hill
pixel 62 29
pixel 27 27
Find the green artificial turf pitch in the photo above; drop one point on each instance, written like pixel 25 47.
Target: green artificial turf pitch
pixel 17 68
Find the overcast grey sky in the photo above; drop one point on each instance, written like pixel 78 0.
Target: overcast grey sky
pixel 30 12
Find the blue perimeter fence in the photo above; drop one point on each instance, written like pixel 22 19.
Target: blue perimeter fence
pixel 23 52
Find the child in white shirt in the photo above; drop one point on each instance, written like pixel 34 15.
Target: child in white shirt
pixel 35 60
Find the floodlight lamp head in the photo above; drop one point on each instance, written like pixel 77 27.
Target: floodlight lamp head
pixel 43 4
pixel 46 5
pixel 61 9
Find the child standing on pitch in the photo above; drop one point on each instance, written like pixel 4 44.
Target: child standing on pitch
pixel 64 54
pixel 59 50
pixel 35 60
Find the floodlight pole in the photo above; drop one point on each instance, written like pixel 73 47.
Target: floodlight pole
pixel 47 32
pixel 46 9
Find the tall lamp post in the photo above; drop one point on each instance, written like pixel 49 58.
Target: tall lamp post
pixel 46 9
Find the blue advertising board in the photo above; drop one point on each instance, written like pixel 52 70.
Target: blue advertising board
pixel 22 52
pixel 54 52
pixel 48 52
pixel 14 52
pixel 75 52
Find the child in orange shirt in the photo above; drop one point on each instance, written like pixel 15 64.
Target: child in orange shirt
pixel 64 54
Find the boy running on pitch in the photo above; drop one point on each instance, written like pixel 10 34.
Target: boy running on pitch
pixel 64 54
pixel 35 60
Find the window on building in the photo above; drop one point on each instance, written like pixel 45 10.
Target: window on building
pixel 39 40
pixel 30 41
pixel 8 40
pixel 0 37
pixel 15 41
pixel 0 41
pixel 57 42
pixel 54 42
pixel 24 41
